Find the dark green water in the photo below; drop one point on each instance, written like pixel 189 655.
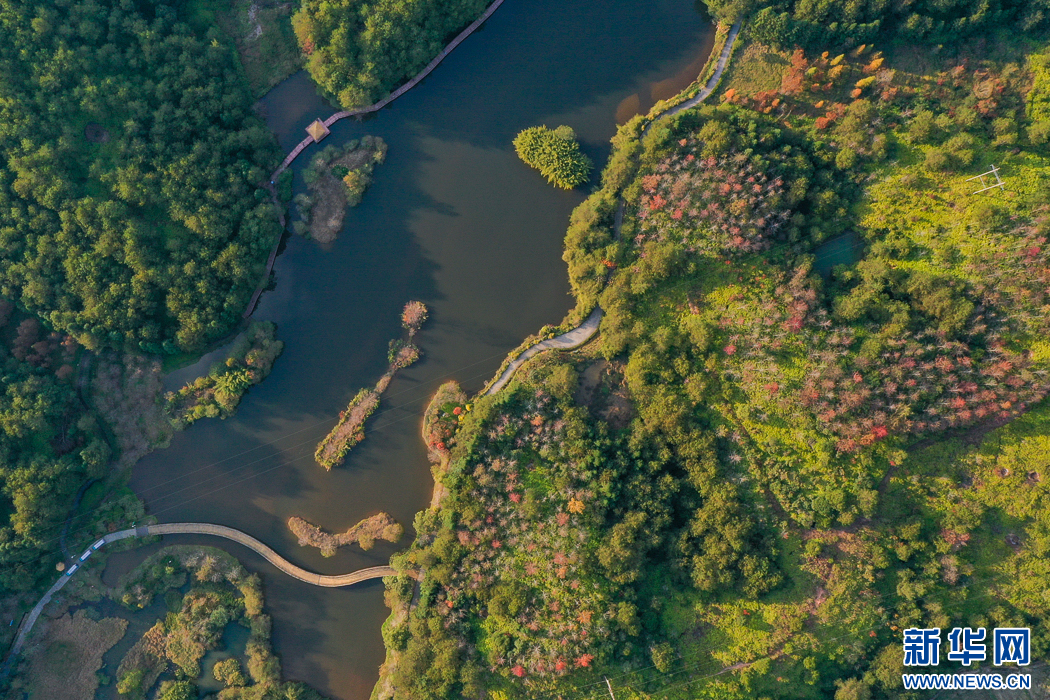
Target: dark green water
pixel 453 219
pixel 840 250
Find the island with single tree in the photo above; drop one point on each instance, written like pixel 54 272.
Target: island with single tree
pixel 815 413
pixel 556 154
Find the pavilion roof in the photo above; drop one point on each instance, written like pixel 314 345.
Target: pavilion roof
pixel 317 130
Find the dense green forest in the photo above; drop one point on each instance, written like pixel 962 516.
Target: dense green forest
pixel 49 444
pixel 129 166
pixel 556 154
pixel 360 51
pixel 823 23
pixel 814 415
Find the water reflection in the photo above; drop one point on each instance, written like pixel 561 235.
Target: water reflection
pixel 453 219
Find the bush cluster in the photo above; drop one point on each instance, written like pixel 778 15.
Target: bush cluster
pixel 556 154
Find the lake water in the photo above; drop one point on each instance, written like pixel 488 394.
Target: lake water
pixel 453 219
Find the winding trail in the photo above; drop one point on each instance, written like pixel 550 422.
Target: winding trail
pixel 566 341
pixel 712 82
pixel 229 533
pixel 305 143
pixel 586 330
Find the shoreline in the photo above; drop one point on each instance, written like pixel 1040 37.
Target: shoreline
pixel 567 340
pixel 332 119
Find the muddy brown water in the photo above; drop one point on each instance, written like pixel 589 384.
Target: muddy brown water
pixel 453 219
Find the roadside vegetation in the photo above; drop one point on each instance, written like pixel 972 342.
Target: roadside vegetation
pixel 51 443
pixel 336 179
pixel 359 52
pixel 821 370
pixel 556 154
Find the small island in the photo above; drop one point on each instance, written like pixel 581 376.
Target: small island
pixel 380 526
pixel 337 179
pixel 217 393
pixel 556 154
pixel 350 430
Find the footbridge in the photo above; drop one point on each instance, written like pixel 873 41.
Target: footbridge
pixel 228 533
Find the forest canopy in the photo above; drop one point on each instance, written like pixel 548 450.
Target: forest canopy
pixel 814 415
pixel 129 169
pixel 358 51
pixel 556 154
pixel 825 23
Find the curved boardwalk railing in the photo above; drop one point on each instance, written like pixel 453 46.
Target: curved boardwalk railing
pixel 471 28
pixel 586 330
pixel 229 533
pixel 269 555
pixel 302 146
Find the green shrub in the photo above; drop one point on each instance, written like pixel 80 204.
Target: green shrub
pixel 936 159
pixel 177 690
pixel 556 154
pixel 228 671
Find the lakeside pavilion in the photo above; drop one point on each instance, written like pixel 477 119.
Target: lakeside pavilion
pixel 317 130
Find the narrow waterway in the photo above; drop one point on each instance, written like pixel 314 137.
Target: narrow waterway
pixel 452 219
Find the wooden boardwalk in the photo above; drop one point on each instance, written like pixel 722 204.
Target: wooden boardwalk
pixel 309 140
pixel 229 533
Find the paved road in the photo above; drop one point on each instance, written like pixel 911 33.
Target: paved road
pixel 228 533
pixel 586 330
pixel 566 341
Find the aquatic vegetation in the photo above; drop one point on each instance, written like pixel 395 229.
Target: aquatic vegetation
pixel 336 179
pixel 350 429
pixel 221 592
pixel 556 154
pixel 217 393
pixel 65 661
pixel 380 526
